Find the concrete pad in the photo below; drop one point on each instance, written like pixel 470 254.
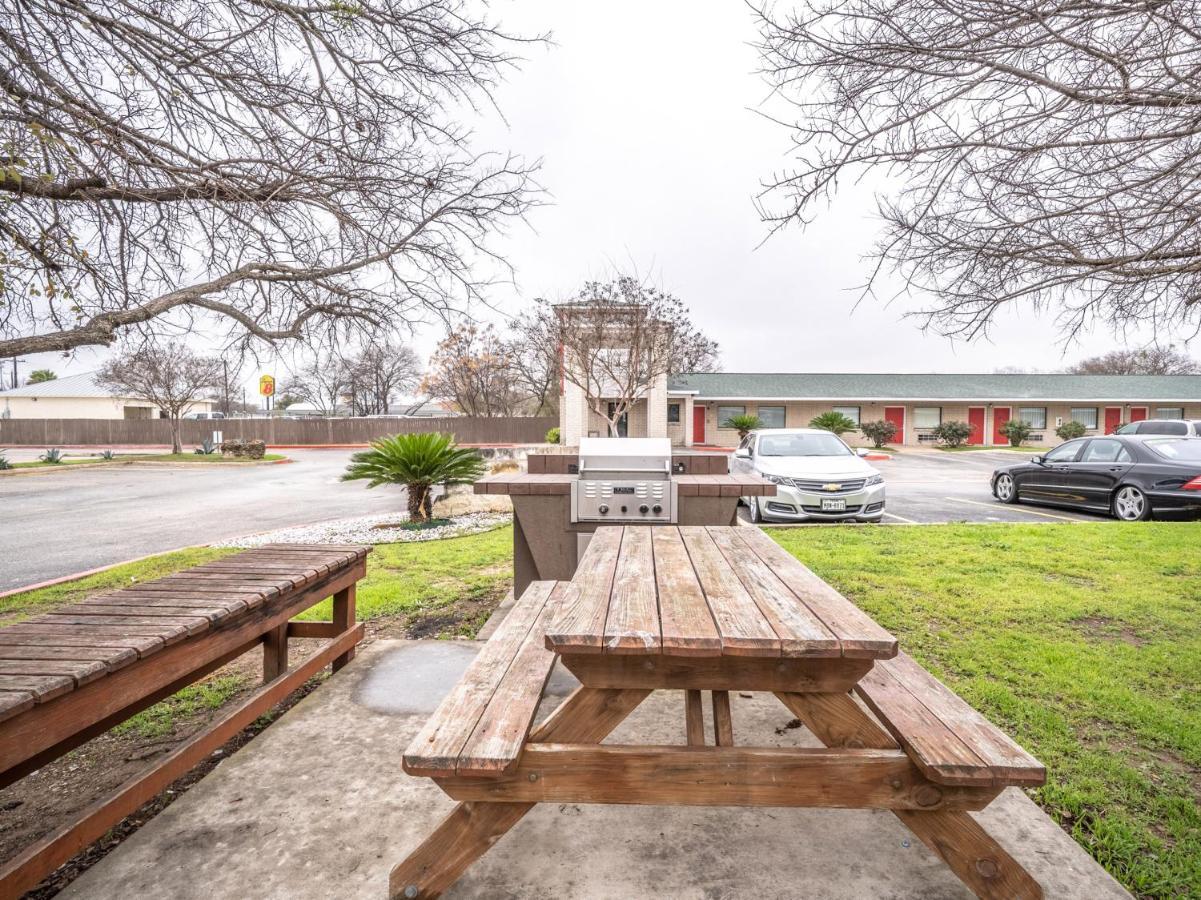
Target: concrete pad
pixel 318 807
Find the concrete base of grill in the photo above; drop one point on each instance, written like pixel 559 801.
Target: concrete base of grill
pixel 317 807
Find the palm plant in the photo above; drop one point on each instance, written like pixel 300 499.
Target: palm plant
pixel 832 421
pixel 418 462
pixel 743 424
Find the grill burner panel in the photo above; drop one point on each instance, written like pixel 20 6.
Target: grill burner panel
pixel 624 480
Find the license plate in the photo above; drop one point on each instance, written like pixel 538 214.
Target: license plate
pixel 834 505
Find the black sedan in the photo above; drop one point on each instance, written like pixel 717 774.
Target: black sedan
pixel 1131 477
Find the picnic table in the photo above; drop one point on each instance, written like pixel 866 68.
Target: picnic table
pixel 708 609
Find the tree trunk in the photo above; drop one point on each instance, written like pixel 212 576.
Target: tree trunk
pixel 176 434
pixel 418 492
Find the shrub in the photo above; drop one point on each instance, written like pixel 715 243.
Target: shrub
pixel 107 454
pixel 207 447
pixel 4 463
pixel 1070 430
pixel 417 462
pixel 834 422
pixel 879 432
pixel 743 424
pixel 552 435
pixel 54 456
pixel 953 432
pixel 1017 431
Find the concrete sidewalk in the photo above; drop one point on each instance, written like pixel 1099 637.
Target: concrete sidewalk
pixel 318 807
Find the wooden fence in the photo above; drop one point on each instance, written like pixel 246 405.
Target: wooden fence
pixel 276 432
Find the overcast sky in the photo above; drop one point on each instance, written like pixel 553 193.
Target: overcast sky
pixel 643 116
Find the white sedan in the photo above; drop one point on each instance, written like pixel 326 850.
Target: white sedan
pixel 819 477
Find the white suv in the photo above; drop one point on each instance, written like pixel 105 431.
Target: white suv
pixel 818 477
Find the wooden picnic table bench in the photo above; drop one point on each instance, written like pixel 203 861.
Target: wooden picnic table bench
pixel 715 609
pixel 73 673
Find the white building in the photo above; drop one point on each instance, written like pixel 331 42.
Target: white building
pixel 78 397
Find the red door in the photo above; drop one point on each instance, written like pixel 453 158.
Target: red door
pixel 975 418
pixel 698 424
pixel 896 415
pixel 1000 415
pixel 1138 413
pixel 1113 418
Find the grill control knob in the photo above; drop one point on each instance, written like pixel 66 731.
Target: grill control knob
pixel 602 509
pixel 656 509
pixel 644 509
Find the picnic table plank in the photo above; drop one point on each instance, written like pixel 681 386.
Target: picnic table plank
pixel 79 670
pixel 1007 761
pixel 199 602
pixel 801 632
pixel 213 614
pixel 102 630
pixel 632 624
pixel 580 626
pixel 685 622
pixel 13 703
pixel 858 633
pixel 496 741
pixel 112 657
pixel 437 746
pixel 936 749
pixel 188 624
pixel 739 621
pixel 55 636
pixel 42 687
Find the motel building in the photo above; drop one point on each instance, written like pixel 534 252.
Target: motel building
pixel 691 408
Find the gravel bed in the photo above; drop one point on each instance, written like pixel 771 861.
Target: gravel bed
pixel 361 531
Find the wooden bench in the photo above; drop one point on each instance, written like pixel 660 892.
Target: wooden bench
pixel 74 673
pixel 483 723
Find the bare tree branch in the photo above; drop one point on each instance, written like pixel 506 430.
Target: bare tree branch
pixel 1044 152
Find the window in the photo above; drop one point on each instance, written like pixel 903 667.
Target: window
pixel 771 416
pixel 1106 451
pixel 673 414
pixel 1034 416
pixel 1186 451
pixel 1064 452
pixel 726 413
pixel 1169 412
pixel 851 412
pixel 927 416
pixel 823 444
pixel 1162 428
pixel 1085 415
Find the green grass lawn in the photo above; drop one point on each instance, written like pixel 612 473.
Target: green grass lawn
pixel 1082 641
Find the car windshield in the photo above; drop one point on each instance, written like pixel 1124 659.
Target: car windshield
pixel 824 444
pixel 1185 450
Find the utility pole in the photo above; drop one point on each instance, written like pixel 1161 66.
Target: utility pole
pixel 15 361
pixel 225 369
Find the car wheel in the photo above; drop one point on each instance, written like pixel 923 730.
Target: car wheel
pixel 1005 489
pixel 1130 504
pixel 753 512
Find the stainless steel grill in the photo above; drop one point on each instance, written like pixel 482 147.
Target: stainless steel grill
pixel 624 480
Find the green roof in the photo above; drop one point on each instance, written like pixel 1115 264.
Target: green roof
pixel 891 386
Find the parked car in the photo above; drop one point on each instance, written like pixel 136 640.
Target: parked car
pixel 818 476
pixel 1177 427
pixel 205 415
pixel 1132 477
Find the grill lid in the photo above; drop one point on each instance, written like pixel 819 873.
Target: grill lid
pixel 645 457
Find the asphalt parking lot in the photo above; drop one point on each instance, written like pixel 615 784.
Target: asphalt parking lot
pixel 57 523
pixel 927 486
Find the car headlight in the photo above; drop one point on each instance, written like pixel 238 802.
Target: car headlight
pixel 776 479
pixel 873 479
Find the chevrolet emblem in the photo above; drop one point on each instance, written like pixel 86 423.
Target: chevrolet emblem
pixel 832 486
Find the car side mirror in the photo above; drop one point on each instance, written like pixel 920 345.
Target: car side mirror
pixel 1037 460
pixel 742 453
pixel 861 452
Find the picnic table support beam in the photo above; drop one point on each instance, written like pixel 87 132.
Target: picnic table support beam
pixel 837 720
pixel 275 652
pixel 344 619
pixel 588 715
pixel 723 723
pixel 694 718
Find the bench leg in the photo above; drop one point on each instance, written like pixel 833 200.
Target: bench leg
pixel 275 652
pixel 344 619
pixel 587 716
pixel 958 839
pixel 972 854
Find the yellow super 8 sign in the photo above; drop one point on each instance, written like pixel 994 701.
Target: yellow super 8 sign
pixel 266 385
